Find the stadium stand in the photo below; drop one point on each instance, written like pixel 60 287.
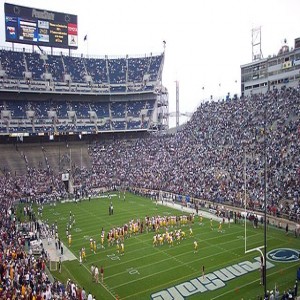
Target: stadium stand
pixel 35 65
pixel 117 71
pixel 98 70
pixel 75 67
pixel 137 68
pixel 225 133
pixel 32 115
pixel 54 66
pixel 13 64
pixel 206 160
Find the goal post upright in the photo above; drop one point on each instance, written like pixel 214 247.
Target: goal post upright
pixel 53 265
pixel 245 198
pixel 259 249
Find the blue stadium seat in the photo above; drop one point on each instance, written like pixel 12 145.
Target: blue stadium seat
pixel 117 71
pixel 35 65
pixel 13 64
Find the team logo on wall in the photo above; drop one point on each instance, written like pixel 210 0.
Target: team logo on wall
pixel 284 255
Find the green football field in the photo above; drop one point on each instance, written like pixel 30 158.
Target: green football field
pixel 170 272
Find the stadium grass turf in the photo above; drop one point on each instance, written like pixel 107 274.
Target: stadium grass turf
pixel 144 269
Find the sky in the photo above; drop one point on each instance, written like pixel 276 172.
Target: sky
pixel 206 40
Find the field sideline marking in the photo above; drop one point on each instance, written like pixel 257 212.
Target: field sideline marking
pixel 97 217
pixel 176 280
pixel 104 286
pixel 144 277
pixel 161 250
pixel 169 257
pixel 246 284
pixel 166 259
pixel 78 242
pixel 186 277
pixel 108 289
pixel 164 251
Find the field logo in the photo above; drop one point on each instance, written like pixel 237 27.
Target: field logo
pixel 210 282
pixel 283 255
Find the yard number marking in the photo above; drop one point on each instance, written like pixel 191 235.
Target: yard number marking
pixel 113 256
pixel 133 271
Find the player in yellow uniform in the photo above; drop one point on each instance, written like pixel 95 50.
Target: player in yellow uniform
pixel 191 232
pixel 157 228
pixel 171 241
pixel 102 239
pixel 70 240
pixel 182 235
pixel 91 244
pixel 80 258
pixel 118 246
pixel 160 239
pixel 94 246
pixel 121 234
pixel 178 236
pixel 83 255
pixel 135 228
pixel 154 240
pixel 195 246
pixel 116 234
pixel 185 220
pixel 167 236
pixel 201 219
pixel 220 227
pixel 109 242
pixel 122 249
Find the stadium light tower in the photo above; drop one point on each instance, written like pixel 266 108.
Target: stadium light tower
pixel 177 104
pixel 177 113
pixel 265 195
pixel 256 44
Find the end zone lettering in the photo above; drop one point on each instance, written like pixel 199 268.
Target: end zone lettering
pixel 210 282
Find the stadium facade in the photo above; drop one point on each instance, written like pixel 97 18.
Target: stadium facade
pixel 277 71
pixel 49 95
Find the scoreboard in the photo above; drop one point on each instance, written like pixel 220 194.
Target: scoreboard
pixel 40 27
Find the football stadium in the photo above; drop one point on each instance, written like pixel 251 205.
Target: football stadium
pixel 100 199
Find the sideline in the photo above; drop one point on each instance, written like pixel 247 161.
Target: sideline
pixel 205 214
pixel 54 254
pixel 273 221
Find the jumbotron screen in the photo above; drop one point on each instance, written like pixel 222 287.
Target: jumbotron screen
pixel 33 26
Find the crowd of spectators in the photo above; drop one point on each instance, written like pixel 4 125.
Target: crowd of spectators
pixel 225 146
pixel 37 185
pixel 23 273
